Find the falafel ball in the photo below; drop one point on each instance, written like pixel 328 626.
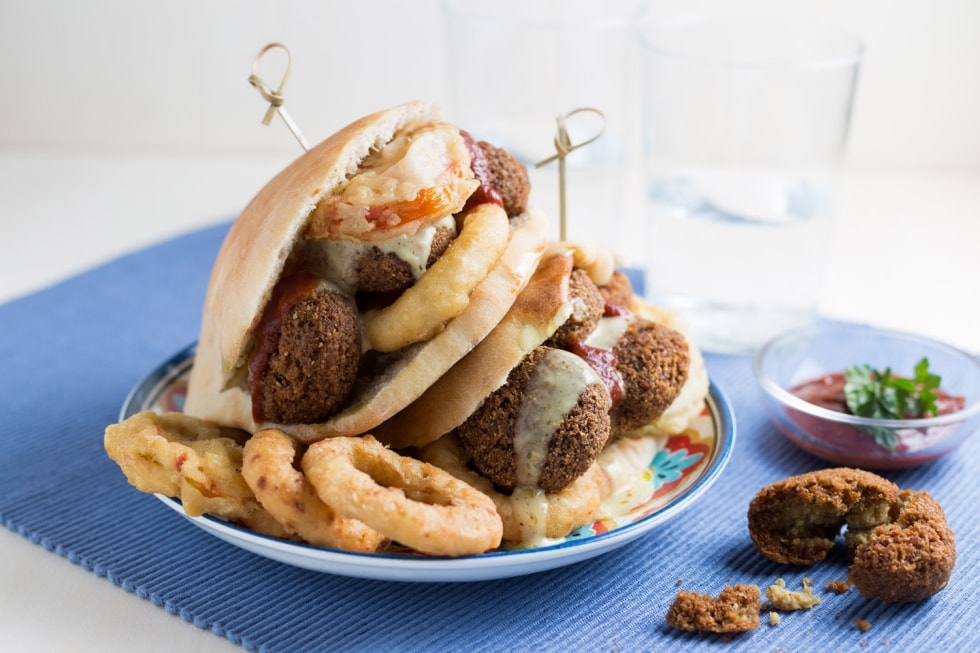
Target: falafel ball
pixel 385 272
pixel 544 427
pixel 909 559
pixel 588 307
pixel 509 178
pixel 619 290
pixel 314 364
pixel 653 361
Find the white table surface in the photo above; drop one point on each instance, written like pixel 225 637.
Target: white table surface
pixel 906 256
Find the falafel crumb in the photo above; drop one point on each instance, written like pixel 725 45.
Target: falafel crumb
pixel 774 618
pixel 786 600
pixel 862 625
pixel 838 586
pixel 735 610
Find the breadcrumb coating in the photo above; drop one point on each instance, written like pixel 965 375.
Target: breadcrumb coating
pixel 900 543
pixel 735 610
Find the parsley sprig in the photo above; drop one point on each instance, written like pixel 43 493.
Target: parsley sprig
pixel 880 395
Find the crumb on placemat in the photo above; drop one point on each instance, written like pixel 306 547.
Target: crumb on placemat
pixel 787 600
pixel 838 586
pixel 735 610
pixel 774 618
pixel 862 625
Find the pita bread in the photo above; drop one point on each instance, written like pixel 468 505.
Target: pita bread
pixel 542 307
pixel 254 255
pixel 536 314
pixel 422 365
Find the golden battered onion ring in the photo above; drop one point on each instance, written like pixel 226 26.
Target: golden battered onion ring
pixel 443 292
pixel 286 494
pixel 563 512
pixel 189 459
pixel 410 501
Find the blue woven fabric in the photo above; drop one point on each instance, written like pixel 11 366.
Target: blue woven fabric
pixel 72 352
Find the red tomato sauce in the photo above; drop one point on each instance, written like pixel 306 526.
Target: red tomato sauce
pixel 828 392
pixel 850 445
pixel 603 362
pixel 287 292
pixel 486 193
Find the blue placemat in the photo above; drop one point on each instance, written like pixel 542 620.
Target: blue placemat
pixel 72 352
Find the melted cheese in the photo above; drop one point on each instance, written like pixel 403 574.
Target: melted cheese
pixel 426 155
pixel 424 173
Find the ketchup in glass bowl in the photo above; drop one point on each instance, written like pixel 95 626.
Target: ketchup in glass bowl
pixel 871 398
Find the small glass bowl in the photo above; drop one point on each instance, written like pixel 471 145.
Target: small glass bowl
pixel 806 354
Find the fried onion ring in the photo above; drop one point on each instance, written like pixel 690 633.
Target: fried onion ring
pixel 528 515
pixel 409 501
pixel 189 459
pixel 443 292
pixel 286 494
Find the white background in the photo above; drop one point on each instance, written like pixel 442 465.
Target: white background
pixel 125 122
pixel 117 75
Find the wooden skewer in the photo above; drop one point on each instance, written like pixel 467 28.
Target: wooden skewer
pixel 564 146
pixel 275 98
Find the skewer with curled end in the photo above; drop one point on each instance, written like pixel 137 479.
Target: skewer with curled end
pixel 276 98
pixel 563 147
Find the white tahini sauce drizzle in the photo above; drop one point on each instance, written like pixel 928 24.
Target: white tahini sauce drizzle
pixel 415 248
pixel 609 331
pixel 627 464
pixel 334 259
pixel 530 505
pixel 557 381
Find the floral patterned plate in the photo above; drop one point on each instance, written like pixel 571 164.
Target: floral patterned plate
pixel 681 468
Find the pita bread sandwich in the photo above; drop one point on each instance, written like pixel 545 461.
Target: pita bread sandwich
pixel 360 274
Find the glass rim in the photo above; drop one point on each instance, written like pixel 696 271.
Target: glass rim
pixel 648 30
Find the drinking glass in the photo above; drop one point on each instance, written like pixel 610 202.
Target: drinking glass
pixel 745 120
